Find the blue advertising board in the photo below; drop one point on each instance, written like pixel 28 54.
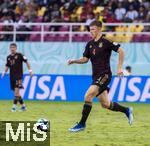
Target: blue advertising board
pixel 73 87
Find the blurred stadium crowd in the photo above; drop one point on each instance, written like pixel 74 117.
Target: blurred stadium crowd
pixel 110 11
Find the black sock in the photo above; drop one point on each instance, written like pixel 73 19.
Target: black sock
pixel 85 112
pixel 117 107
pixel 15 100
pixel 21 100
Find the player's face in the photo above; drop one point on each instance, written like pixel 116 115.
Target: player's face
pixel 94 30
pixel 13 49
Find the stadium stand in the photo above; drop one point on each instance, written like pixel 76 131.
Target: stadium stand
pixel 70 11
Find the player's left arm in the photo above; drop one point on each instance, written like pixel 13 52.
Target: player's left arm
pixel 24 58
pixel 120 62
pixel 29 68
pixel 116 47
pixel 4 72
pixel 6 67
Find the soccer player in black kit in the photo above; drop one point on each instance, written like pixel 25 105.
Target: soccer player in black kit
pixel 15 64
pixel 98 50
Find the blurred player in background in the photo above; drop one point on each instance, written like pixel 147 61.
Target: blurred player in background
pixel 15 64
pixel 127 71
pixel 99 51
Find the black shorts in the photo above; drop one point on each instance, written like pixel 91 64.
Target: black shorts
pixel 16 83
pixel 102 82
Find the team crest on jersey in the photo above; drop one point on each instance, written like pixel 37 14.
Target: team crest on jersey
pixel 90 46
pixel 100 45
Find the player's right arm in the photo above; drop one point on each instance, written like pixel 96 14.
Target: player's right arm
pixel 84 59
pixel 6 68
pixel 5 71
pixel 78 61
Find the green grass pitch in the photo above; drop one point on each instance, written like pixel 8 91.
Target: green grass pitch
pixel 104 128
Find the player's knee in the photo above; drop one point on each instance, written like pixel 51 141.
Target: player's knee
pixel 17 94
pixel 105 105
pixel 89 96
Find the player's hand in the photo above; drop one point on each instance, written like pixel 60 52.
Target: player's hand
pixel 70 62
pixel 31 73
pixel 120 73
pixel 3 74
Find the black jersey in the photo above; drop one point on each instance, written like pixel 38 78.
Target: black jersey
pixel 99 53
pixel 15 64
